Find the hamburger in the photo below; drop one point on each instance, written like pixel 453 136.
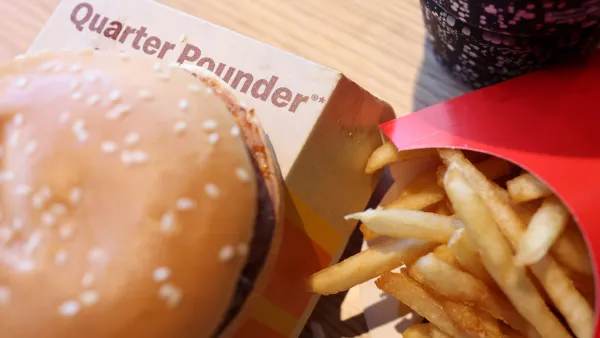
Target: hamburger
pixel 139 199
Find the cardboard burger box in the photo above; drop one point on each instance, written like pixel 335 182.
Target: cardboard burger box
pixel 548 122
pixel 322 126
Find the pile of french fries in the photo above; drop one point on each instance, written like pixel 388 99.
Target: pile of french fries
pixel 484 250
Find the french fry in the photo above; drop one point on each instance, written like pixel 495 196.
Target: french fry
pixel 426 330
pixel 417 331
pixel 495 250
pixel 444 254
pixel 388 154
pixel 474 322
pixel 526 187
pixel 408 224
pixel 570 250
pixel 367 265
pixel 452 283
pixel 545 227
pixel 571 304
pixel 420 200
pixel 585 285
pixel 466 254
pixel 409 292
pixel 368 234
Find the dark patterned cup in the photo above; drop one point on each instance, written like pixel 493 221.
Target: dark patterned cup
pixel 484 42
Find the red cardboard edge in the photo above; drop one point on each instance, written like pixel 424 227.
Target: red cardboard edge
pixel 548 122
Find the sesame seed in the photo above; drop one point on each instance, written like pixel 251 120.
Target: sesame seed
pixel 145 94
pixel 163 76
pixel 6 176
pixel 6 234
pixel 30 147
pixel 23 190
pixel 60 258
pixel 25 265
pixel 79 130
pixel 69 308
pixel 18 119
pixel 167 222
pixel 65 232
pixel 161 274
pixel 226 253
pixel 183 38
pixel 179 127
pixel 14 138
pixel 89 298
pixel 133 157
pixel 213 138
pixel 108 147
pixel 185 203
pixel 32 243
pixel 209 91
pixel 132 138
pixel 75 195
pixel 21 82
pixel 139 156
pixel 212 190
pixel 64 117
pixel 184 104
pixel 242 249
pixel 97 255
pixel 91 77
pixel 242 174
pixel 126 157
pixel 157 66
pixel 117 112
pixel 17 223
pixel 171 294
pixel 88 279
pixel 58 209
pixel 75 68
pixel 114 95
pixel 209 125
pixel 45 191
pixel 193 87
pixel 5 295
pixel 174 65
pixel 92 100
pixel 37 201
pixel 77 96
pixel 48 219
pixel 74 84
pixel 235 131
pixel 124 56
pixel 58 67
pixel 47 66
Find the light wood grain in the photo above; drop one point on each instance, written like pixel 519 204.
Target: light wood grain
pixel 377 43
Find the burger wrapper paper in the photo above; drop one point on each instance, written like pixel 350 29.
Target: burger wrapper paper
pixel 321 125
pixel 548 122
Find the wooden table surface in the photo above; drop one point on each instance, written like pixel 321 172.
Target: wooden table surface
pixel 377 43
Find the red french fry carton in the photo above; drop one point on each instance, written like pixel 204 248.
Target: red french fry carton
pixel 548 122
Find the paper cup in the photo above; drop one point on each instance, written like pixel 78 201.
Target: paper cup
pixel 480 55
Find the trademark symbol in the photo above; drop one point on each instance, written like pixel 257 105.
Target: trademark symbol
pixel 316 98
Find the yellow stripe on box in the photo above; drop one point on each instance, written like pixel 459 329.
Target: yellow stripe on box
pixel 273 316
pixel 312 224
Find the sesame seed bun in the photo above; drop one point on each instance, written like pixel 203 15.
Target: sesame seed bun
pixel 131 193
